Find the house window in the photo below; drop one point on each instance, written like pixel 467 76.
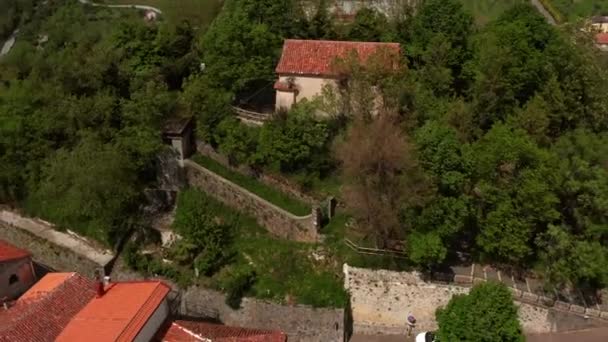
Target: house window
pixel 13 279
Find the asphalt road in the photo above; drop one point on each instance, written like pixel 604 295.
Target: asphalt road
pixel 382 338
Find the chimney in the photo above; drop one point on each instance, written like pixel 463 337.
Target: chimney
pixel 99 288
pixel 5 303
pixel 106 281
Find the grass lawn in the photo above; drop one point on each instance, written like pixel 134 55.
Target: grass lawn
pixel 199 12
pixel 268 193
pixel 285 270
pixel 487 10
pixel 573 9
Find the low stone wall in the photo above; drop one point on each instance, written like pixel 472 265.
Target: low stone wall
pixel 76 244
pixel 58 258
pixel 381 300
pixel 300 323
pixel 278 221
pixel 268 179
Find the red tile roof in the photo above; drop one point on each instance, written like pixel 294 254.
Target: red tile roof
pixel 119 315
pixel 9 252
pixel 315 57
pixel 601 38
pixel 187 331
pixel 46 309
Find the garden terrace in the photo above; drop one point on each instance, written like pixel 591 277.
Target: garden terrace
pixel 272 195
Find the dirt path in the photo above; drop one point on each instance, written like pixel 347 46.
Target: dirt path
pixel 142 7
pixel 541 8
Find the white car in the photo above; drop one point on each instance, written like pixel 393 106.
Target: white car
pixel 427 336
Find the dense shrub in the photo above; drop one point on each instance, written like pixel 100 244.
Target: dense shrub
pixel 204 234
pixel 236 283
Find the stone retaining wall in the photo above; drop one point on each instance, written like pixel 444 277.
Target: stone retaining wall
pixel 381 300
pixel 300 323
pixel 278 221
pixel 47 253
pixel 271 180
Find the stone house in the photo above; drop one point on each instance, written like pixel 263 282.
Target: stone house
pixel 599 24
pixel 307 66
pixel 16 271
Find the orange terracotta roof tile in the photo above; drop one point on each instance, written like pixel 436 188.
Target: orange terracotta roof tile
pixel 188 331
pixel 46 309
pixel 46 285
pixel 315 57
pixel 9 252
pixel 119 315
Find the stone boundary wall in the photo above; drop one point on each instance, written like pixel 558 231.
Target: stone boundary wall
pixel 300 323
pixel 278 221
pixel 381 301
pixel 46 253
pixel 46 231
pixel 271 180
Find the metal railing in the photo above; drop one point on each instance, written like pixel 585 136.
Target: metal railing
pixel 256 117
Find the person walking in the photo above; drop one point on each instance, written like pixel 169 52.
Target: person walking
pixel 411 324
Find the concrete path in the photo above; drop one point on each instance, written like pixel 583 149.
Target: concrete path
pixel 541 8
pixel 9 43
pixel 381 338
pixel 142 7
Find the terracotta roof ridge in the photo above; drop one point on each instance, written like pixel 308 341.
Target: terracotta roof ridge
pixel 191 333
pixel 142 315
pixel 354 42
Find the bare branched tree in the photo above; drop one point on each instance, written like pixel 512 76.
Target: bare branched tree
pixel 376 159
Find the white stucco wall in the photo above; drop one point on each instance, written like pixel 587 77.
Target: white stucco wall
pixel 284 99
pixel 23 270
pixel 308 88
pixel 154 323
pixel 600 27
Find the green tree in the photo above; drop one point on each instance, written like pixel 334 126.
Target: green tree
pixel 204 235
pixel 370 26
pixel 513 189
pixel 566 261
pixel 447 21
pixel 208 104
pixel 486 314
pixel 237 141
pixel 91 188
pixel 296 141
pixel 321 25
pixel 242 46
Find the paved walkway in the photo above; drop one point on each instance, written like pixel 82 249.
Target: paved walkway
pixel 381 338
pixel 541 8
pixel 142 7
pixel 9 43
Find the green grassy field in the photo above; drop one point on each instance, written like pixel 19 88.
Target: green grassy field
pixel 573 9
pixel 272 195
pixel 199 12
pixel 284 269
pixel 487 10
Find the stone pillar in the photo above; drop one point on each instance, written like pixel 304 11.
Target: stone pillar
pixel 332 203
pixel 178 146
pixel 317 216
